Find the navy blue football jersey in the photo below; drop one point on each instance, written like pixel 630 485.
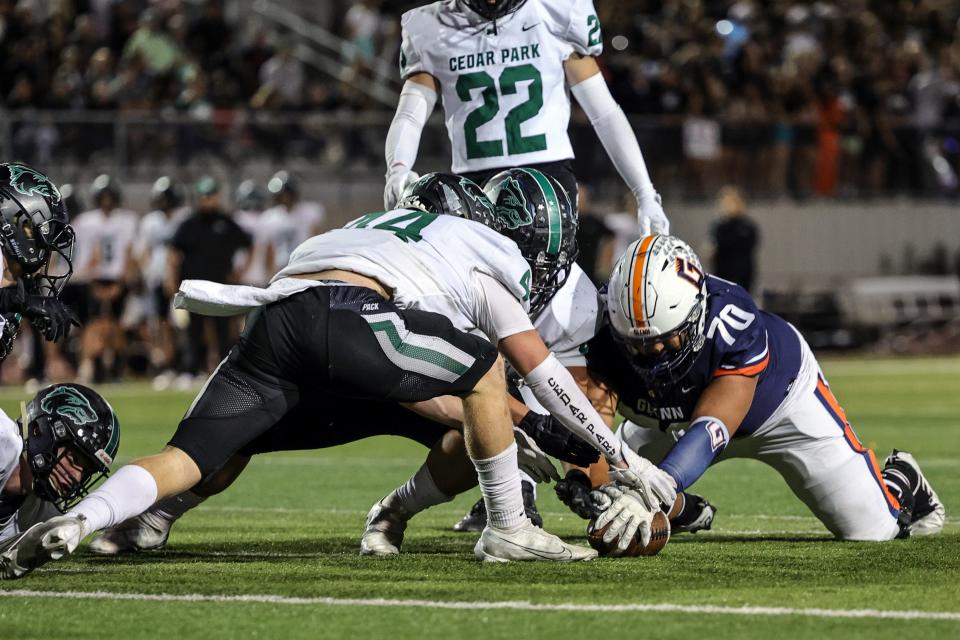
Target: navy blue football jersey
pixel 740 340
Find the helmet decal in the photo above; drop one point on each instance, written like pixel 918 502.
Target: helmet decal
pixel 554 223
pixel 475 194
pixel 28 182
pixel 513 210
pixel 77 408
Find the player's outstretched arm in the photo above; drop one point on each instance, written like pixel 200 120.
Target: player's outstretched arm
pixel 717 416
pixel 556 389
pixel 417 100
pixel 590 89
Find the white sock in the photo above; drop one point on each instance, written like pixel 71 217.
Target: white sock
pixel 500 485
pixel 419 492
pixel 128 492
pixel 172 508
pixel 525 477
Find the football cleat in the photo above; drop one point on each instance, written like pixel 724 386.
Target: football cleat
pixel 701 522
pixel 476 518
pixel 928 513
pixel 45 541
pixel 140 533
pixel 527 542
pixel 383 533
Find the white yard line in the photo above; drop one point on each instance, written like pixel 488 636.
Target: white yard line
pixel 509 605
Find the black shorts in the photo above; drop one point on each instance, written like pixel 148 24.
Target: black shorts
pixel 562 171
pixel 333 352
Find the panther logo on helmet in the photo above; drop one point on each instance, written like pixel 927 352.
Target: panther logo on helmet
pixel 512 206
pixel 28 182
pixel 76 408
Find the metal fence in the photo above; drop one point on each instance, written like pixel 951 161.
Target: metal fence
pixel 688 157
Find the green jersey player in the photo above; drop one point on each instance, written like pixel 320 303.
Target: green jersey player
pixel 502 69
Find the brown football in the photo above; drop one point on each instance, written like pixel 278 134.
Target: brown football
pixel 659 535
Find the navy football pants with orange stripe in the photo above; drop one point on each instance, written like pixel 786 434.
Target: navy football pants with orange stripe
pixel 809 442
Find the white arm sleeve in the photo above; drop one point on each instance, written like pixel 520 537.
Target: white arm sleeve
pixel 500 314
pixel 559 394
pixel 403 139
pixel 615 133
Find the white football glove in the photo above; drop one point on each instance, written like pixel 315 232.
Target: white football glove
pixel 532 459
pixel 626 512
pixel 397 181
pixel 651 216
pixel 655 486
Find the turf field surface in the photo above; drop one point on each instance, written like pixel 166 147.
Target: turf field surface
pixel 276 555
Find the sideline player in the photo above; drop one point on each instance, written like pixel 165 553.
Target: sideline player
pixel 106 259
pixel 70 436
pixel 503 68
pixel 400 291
pixel 703 375
pixel 36 245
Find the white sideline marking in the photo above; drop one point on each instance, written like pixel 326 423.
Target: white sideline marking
pixel 508 604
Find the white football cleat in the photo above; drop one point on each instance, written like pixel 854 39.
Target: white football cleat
pixel 140 533
pixel 383 533
pixel 45 541
pixel 528 542
pixel 928 512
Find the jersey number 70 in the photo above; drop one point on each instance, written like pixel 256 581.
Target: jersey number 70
pixel 733 317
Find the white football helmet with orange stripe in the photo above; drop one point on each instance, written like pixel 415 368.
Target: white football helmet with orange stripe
pixel 656 303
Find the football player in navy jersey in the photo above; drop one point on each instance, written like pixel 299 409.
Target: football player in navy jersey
pixel 702 375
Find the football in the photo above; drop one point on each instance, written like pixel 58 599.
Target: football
pixel 659 536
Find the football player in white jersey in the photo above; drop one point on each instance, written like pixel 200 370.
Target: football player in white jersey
pixel 568 322
pixel 150 251
pixel 292 214
pixel 504 70
pixel 69 439
pixel 105 257
pixel 411 299
pixel 249 203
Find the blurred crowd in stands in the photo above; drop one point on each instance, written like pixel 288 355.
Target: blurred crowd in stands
pixel 831 99
pixel 129 264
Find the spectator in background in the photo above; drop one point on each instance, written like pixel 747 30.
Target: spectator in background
pixel 153 44
pixel 209 36
pixel 204 247
pixel 735 239
pixel 362 25
pixel 281 80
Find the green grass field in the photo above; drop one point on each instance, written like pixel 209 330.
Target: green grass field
pixel 290 529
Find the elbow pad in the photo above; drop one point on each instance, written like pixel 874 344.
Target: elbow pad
pixel 696 450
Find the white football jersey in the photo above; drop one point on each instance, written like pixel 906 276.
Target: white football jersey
pixel 571 318
pixel 502 83
pixel 428 260
pixel 150 246
pixel 285 230
pixel 11 446
pixel 103 243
